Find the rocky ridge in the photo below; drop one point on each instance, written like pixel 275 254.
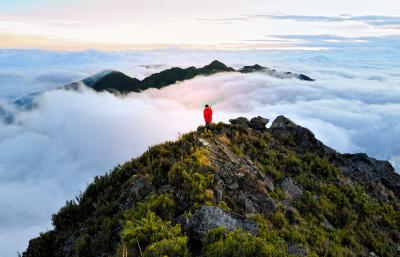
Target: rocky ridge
pixel 240 184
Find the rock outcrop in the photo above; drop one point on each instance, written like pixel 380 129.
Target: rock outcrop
pixel 241 122
pixel 210 217
pixel 259 122
pixel 291 187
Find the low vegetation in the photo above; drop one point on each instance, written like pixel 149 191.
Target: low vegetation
pixel 332 217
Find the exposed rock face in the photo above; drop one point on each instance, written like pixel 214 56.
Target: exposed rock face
pixel 359 168
pixel 241 122
pixel 240 179
pixel 303 138
pixel 282 122
pixel 365 169
pixel 210 217
pixel 258 122
pixel 291 187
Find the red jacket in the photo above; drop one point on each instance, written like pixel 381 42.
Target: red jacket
pixel 208 114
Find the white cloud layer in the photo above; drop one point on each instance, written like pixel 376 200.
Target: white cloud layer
pixel 50 153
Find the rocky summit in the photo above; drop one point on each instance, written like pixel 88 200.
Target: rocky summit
pixel 238 189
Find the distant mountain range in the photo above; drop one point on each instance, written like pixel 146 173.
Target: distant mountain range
pixel 118 82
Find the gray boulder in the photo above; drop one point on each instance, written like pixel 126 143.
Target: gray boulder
pixel 259 122
pixel 283 122
pixel 291 187
pixel 297 250
pixel 241 122
pixel 210 217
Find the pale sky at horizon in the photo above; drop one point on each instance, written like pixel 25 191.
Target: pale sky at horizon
pixel 223 24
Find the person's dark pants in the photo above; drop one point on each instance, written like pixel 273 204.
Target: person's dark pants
pixel 208 125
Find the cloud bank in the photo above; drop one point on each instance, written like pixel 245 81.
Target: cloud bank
pixel 49 154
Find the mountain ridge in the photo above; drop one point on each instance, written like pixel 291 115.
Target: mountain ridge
pixel 238 189
pixel 118 82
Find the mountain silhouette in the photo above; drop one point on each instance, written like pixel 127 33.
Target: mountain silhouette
pixel 117 82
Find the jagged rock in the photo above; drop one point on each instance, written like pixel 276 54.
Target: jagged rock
pixel 218 188
pixel 364 169
pixel 327 224
pixel 282 122
pixel 218 194
pixel 302 139
pixel 262 203
pixel 210 217
pixel 297 250
pixel 291 187
pixel 259 122
pixel 247 203
pixel 241 122
pixel 257 183
pixel 268 181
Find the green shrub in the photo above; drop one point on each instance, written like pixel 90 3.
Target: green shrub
pixel 320 166
pixel 215 235
pixel 161 204
pixel 292 164
pixel 278 218
pixel 236 150
pixel 192 175
pixel 148 230
pixel 67 217
pixel 240 244
pixel 174 247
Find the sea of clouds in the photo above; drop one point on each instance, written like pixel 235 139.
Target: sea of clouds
pixel 49 154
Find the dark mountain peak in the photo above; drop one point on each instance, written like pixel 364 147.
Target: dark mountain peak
pixel 304 77
pixel 112 81
pixel 253 68
pixel 218 66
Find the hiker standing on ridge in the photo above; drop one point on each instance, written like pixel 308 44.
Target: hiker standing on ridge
pixel 207 115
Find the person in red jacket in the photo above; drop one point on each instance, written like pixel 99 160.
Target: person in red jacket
pixel 207 115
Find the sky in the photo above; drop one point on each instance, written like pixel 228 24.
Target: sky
pixel 50 154
pixel 223 24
